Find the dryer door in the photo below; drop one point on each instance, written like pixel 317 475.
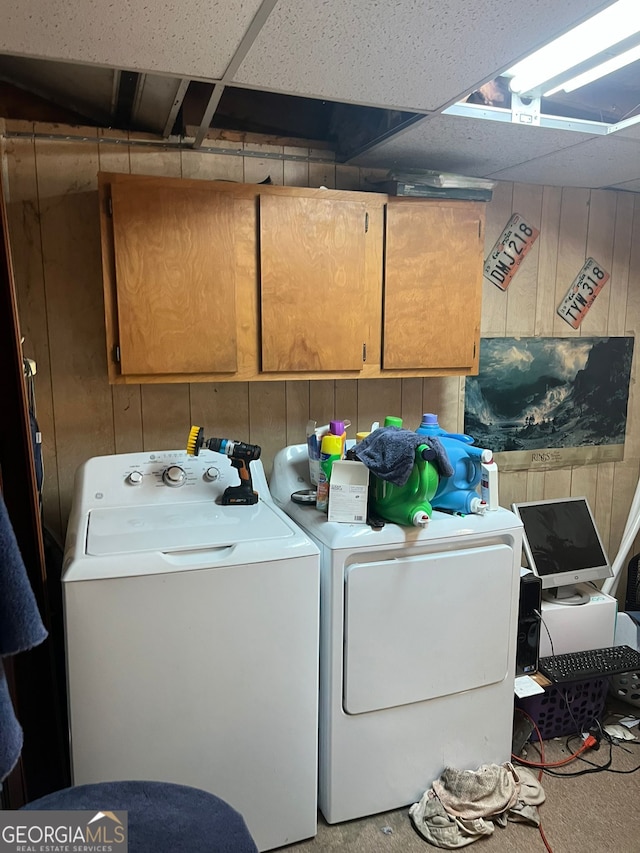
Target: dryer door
pixel 426 626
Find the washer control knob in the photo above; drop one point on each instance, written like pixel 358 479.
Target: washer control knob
pixel 174 476
pixel 134 478
pixel 211 474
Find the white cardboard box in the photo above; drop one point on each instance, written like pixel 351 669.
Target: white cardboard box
pixel 578 627
pixel 348 492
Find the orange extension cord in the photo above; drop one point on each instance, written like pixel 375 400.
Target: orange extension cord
pixel 589 742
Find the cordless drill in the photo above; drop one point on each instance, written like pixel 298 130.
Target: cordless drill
pixel 241 455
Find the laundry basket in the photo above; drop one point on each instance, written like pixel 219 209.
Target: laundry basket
pixel 627 685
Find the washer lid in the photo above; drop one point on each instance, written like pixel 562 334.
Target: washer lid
pixel 133 530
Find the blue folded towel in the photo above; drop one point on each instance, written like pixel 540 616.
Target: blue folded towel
pixel 21 628
pixel 390 453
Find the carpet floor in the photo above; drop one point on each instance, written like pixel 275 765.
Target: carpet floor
pixel 596 812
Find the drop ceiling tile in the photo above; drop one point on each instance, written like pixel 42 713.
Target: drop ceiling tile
pixel 467 146
pixel 600 162
pixel 629 186
pixel 89 93
pixel 631 132
pixel 407 54
pixel 188 38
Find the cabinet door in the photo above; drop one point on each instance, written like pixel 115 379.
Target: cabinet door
pixel 312 283
pixel 175 279
pixel 433 284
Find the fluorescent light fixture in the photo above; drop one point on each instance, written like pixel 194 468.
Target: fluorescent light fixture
pixel 609 27
pixel 599 71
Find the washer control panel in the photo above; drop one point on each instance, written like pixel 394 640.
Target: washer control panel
pixel 164 476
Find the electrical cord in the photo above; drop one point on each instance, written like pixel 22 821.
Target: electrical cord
pixel 588 743
pixel 540 617
pixel 541 748
pixel 601 735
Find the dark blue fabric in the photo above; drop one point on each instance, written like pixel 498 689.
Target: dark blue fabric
pixel 21 627
pixel 390 453
pixel 10 730
pixel 163 817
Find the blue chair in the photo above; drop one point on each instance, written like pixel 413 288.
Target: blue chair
pixel 162 817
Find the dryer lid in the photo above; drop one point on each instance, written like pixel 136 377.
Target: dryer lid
pixel 184 526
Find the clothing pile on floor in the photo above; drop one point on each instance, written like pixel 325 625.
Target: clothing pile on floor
pixel 465 805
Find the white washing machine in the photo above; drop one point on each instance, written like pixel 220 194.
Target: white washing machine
pixel 192 638
pixel 417 648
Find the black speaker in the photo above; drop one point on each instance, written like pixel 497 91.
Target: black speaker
pixel 528 644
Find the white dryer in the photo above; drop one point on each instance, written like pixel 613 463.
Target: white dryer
pixel 417 648
pixel 192 638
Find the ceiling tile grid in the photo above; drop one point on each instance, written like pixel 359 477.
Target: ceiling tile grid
pixel 412 55
pixel 188 38
pixel 409 54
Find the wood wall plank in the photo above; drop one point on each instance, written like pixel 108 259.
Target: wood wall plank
pixel 322 401
pixel 512 487
pixel 626 481
pixel 445 398
pixel 378 398
pixel 297 407
pixel 156 161
pixel 26 251
pixel 411 410
pixel 165 417
pixel 210 164
pixel 557 484
pixel 619 282
pixel 221 409
pixel 547 260
pixel 346 403
pixel 267 400
pixel 296 172
pixel 584 481
pixel 603 506
pixel 521 295
pixel 68 209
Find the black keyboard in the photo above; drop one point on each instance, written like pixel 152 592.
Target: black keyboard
pixel 594 663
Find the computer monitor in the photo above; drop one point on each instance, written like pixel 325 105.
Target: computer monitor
pixel 563 547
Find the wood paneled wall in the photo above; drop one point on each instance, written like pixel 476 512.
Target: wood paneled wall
pixel 54 231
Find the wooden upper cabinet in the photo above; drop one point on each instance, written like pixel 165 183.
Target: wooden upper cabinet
pixel 312 284
pixel 217 281
pixel 432 285
pixel 174 278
